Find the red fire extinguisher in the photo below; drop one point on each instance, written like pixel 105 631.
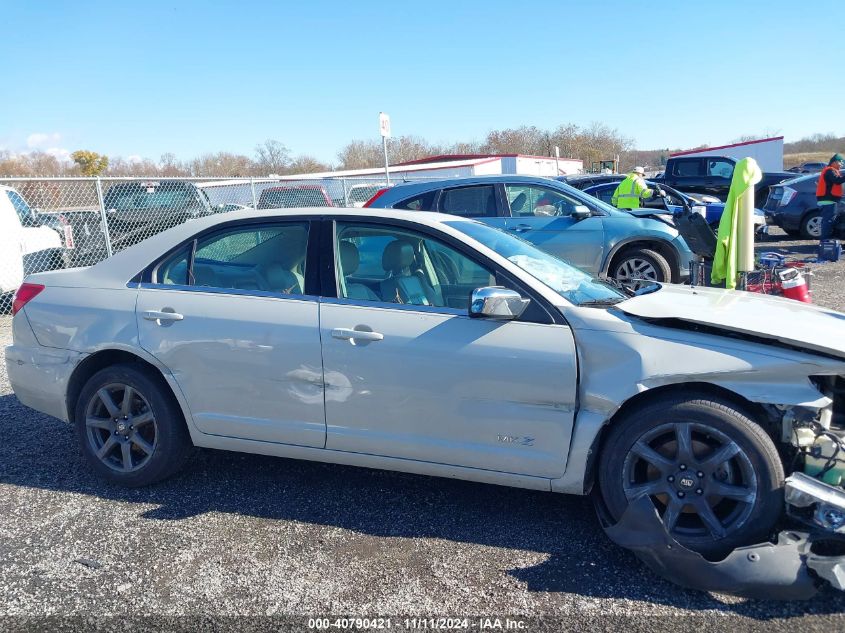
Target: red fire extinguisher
pixel 793 285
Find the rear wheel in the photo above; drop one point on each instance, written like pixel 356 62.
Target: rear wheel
pixel 130 427
pixel 714 476
pixel 811 225
pixel 641 264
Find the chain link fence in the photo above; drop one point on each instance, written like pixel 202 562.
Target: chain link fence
pixel 54 223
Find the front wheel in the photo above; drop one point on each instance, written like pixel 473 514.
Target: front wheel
pixel 714 475
pixel 130 427
pixel 641 264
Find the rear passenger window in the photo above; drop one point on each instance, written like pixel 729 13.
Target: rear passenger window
pixel 424 202
pixel 469 201
pixel 688 167
pixel 265 258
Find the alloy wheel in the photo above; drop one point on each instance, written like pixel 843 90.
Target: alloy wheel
pixel 121 427
pixel 635 269
pixel 701 481
pixel 814 226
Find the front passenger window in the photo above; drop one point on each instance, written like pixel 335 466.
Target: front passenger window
pixel 390 265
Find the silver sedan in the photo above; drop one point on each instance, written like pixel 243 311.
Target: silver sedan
pixel 431 344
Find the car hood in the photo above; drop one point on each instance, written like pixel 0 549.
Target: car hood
pixel 760 316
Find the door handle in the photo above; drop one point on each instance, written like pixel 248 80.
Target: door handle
pixel 162 315
pixel 521 228
pixel 347 334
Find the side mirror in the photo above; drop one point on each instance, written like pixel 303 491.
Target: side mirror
pixel 496 302
pixel 580 212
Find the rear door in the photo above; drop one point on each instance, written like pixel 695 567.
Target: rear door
pixel 234 319
pixel 543 216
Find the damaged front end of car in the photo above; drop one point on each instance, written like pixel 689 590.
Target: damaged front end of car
pixel 806 554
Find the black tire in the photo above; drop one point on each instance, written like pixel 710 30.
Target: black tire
pixel 635 258
pixel 166 446
pixel 713 425
pixel 808 222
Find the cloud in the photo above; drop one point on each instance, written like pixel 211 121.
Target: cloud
pixel 39 140
pixel 59 152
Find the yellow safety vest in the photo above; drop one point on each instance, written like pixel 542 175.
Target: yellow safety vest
pixel 630 191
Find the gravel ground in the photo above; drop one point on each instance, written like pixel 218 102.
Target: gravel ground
pixel 242 535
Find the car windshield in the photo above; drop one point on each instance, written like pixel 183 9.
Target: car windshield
pixel 569 282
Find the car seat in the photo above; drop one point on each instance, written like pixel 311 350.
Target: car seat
pixel 404 285
pixel 285 274
pixel 349 261
pixel 518 204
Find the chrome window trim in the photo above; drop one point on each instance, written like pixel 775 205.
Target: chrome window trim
pixel 226 291
pixel 406 307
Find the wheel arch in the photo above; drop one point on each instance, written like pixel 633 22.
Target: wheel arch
pixel 754 410
pixel 105 358
pixel 661 246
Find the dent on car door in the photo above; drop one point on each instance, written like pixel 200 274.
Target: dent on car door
pixel 231 318
pixel 543 216
pixel 410 375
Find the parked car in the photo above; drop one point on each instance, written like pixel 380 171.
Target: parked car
pixel 808 168
pixel 792 206
pixel 674 203
pixel 712 175
pixel 468 354
pixel 26 245
pixel 290 196
pixel 582 181
pixel 561 220
pixel 585 181
pixel 162 203
pixel 357 195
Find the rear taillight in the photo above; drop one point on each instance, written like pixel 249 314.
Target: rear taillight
pixel 25 294
pixel 379 193
pixel 788 194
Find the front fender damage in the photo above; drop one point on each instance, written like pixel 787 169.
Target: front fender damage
pixel 786 570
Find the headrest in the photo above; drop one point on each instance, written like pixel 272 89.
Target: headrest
pixel 349 257
pixel 397 256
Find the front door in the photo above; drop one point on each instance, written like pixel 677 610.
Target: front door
pixel 232 323
pixel 543 216
pixel 410 375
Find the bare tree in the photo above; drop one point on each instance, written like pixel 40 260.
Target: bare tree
pixel 222 164
pixel 307 165
pixel 272 157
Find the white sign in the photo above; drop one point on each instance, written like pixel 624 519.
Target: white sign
pixel 384 124
pixel 557 152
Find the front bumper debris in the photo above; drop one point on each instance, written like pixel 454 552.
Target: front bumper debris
pixel 786 570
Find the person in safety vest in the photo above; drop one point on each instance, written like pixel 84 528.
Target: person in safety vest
pixel 829 194
pixel 633 190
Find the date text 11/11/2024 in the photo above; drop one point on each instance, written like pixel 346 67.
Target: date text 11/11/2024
pixel 418 624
